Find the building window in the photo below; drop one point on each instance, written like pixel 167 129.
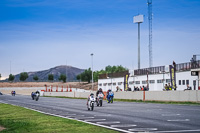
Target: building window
pixel 152 81
pixel 100 84
pixel 114 83
pixel 160 81
pixel 131 82
pixel 104 84
pixel 168 80
pixel 179 82
pixel 144 82
pixel 119 83
pixel 187 82
pixel 183 82
pixel 137 82
pixel 109 84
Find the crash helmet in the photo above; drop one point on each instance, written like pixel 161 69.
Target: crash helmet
pixel 91 94
pixel 100 89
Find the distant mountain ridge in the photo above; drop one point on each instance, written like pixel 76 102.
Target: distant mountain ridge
pixel 72 72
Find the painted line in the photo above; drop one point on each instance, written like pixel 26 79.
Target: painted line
pixel 108 122
pixel 143 129
pixel 95 120
pixel 96 124
pixel 180 120
pixel 112 128
pixel 103 115
pixel 170 114
pixel 124 125
pixel 70 114
pixel 84 117
pixel 178 131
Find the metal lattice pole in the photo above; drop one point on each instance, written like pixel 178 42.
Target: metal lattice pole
pixel 149 2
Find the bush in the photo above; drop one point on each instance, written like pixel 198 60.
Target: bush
pixel 23 76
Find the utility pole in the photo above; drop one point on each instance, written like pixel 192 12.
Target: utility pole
pixel 92 70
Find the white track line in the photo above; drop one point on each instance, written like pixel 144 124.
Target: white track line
pixel 124 125
pixel 103 115
pixel 108 122
pixel 99 125
pixel 143 129
pixel 82 117
pixel 170 114
pixel 178 131
pixel 95 120
pixel 180 120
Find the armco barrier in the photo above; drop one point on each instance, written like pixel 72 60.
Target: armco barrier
pixel 179 96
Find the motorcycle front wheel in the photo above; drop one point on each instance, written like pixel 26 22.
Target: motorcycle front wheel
pixel 100 102
pixel 92 106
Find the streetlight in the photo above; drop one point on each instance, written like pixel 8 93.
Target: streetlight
pixel 92 70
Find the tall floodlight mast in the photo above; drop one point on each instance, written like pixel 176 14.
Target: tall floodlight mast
pixel 138 19
pixel 149 3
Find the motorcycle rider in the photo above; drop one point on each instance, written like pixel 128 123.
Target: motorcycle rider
pixel 99 91
pixel 107 93
pixel 37 92
pixel 89 97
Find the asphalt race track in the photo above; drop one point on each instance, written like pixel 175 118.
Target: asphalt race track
pixel 120 116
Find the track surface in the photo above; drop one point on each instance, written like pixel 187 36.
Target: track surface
pixel 125 116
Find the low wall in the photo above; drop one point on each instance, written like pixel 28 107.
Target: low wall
pixel 21 91
pixel 179 96
pixel 69 94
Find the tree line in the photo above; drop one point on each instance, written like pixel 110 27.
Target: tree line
pixel 87 74
pixel 24 76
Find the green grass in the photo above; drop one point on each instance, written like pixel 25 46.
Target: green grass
pixel 160 102
pixel 20 120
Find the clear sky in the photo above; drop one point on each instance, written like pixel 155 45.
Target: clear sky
pixel 40 34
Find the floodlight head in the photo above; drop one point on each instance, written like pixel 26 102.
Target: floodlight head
pixel 138 19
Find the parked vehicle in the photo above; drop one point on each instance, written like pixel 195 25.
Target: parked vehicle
pixel 90 104
pixel 1 93
pixel 110 97
pixel 99 100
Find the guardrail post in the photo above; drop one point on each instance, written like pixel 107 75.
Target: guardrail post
pixel 143 95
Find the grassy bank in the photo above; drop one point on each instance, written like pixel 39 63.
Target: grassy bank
pixel 20 120
pixel 160 102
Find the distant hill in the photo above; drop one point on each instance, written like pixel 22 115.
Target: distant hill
pixel 72 72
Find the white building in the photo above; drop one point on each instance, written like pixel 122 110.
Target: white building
pixel 157 78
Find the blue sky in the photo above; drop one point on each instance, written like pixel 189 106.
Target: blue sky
pixel 40 34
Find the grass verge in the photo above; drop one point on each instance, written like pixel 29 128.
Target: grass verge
pixel 160 102
pixel 20 120
pixel 130 100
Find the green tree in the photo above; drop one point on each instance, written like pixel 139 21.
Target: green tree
pixel 35 78
pixel 63 77
pixel 50 77
pixel 78 77
pixel 96 76
pixel 11 77
pixel 23 76
pixel 85 76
